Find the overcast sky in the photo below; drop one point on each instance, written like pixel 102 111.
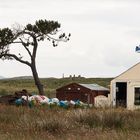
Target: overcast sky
pixel 104 36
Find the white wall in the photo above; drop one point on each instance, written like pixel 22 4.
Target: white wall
pixel 131 94
pixel 132 77
pixel 131 84
pixel 101 101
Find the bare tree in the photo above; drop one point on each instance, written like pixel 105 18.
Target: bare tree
pixel 29 37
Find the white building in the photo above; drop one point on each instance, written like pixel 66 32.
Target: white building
pixel 125 89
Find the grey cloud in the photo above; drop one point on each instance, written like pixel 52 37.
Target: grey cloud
pixel 104 35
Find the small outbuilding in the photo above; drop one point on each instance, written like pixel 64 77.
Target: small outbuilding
pixel 83 92
pixel 125 89
pixel 101 101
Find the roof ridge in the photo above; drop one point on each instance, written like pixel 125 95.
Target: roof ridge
pixel 94 86
pixel 127 70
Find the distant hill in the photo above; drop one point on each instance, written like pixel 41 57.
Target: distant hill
pixel 21 78
pixel 28 78
pixel 1 77
pixel 10 85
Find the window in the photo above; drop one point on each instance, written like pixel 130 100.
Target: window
pixel 137 96
pixel 69 88
pixel 78 88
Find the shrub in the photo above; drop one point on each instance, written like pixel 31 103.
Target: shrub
pixel 102 119
pixel 112 119
pixel 51 125
pixel 3 92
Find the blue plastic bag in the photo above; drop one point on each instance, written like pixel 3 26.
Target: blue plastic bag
pixel 18 102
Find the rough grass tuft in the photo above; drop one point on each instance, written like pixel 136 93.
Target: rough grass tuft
pixel 56 123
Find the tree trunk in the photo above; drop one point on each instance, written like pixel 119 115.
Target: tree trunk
pixel 36 79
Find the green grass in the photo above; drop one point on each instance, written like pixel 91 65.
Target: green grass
pixel 9 86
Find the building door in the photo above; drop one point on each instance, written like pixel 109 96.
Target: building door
pixel 72 96
pixel 86 98
pixel 121 94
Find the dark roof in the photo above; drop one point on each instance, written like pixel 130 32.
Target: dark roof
pixel 94 87
pixel 88 86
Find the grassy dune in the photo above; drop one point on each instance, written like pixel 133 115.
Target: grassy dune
pixel 9 86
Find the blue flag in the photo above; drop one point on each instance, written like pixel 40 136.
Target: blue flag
pixel 137 49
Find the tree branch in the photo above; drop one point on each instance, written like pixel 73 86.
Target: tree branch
pixel 64 40
pixel 35 47
pixel 15 57
pixel 17 42
pixel 34 39
pixel 26 48
pixel 35 43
